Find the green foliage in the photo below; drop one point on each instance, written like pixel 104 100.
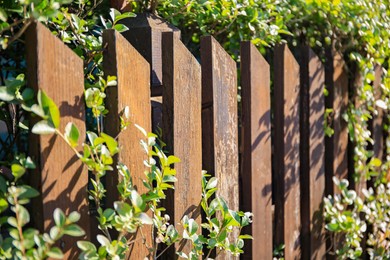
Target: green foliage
pixel 349 216
pixel 23 241
pixel 262 22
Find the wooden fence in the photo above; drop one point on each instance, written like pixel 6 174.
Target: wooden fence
pixel 280 170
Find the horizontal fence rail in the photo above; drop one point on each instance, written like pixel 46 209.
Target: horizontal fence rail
pixel 268 151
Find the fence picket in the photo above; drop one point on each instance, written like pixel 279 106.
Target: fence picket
pixel 132 90
pixel 219 121
pixel 182 128
pixel 336 146
pixel 60 176
pixel 286 156
pixel 312 154
pixel 377 121
pixel 145 34
pixel 256 168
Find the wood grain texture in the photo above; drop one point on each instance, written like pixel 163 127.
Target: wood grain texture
pixel 336 146
pixel 286 148
pixel 256 166
pixel 133 90
pixel 219 122
pixel 182 128
pixel 145 34
pixel 312 154
pixel 60 176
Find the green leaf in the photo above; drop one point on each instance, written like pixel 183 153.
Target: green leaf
pixel 36 109
pixel 50 108
pixel 17 170
pixel 235 219
pixel 145 219
pixel 245 237
pixel 12 221
pixel 172 159
pixel 43 128
pixel 111 81
pixel 123 16
pixel 91 137
pixel 114 13
pixel 332 226
pixel 103 240
pixel 56 253
pixel 7 94
pixel 22 126
pixel 28 192
pixel 86 246
pixel 122 207
pixel 212 183
pixel 192 226
pixel 137 201
pixel 59 217
pixel 112 145
pixel 74 231
pixel 3 15
pixel 72 134
pixel 28 94
pixel 105 156
pixel 3 205
pixel 23 214
pixel 74 217
pixel 121 28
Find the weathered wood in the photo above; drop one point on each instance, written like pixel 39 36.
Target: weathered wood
pixel 133 90
pixel 286 156
pixel 60 176
pixel 256 168
pixel 182 128
pixel 336 146
pixel 312 154
pixel 144 34
pixel 377 122
pixel 219 121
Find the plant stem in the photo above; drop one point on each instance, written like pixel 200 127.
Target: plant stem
pixel 165 249
pixel 19 227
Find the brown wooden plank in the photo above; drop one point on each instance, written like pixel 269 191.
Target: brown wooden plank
pixel 133 90
pixel 219 121
pixel 60 176
pixel 336 146
pixel 256 166
pixel 377 122
pixel 144 34
pixel 182 127
pixel 286 148
pixel 312 154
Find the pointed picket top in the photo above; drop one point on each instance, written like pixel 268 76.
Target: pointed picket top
pixel 132 91
pixel 61 178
